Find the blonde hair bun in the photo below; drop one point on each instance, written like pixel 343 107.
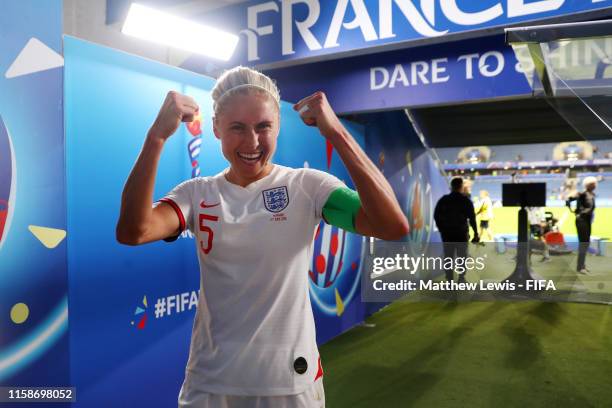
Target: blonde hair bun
pixel 241 80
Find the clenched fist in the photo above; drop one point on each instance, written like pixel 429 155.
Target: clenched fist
pixel 315 110
pixel 176 108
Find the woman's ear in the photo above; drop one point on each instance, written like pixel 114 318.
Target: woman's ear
pixel 215 129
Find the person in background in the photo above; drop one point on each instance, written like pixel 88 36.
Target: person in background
pixel 485 213
pixel 537 223
pixel 467 188
pixel 568 188
pixel 585 209
pixel 452 213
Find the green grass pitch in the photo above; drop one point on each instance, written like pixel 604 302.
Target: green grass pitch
pixel 475 354
pixel 449 353
pixel 505 221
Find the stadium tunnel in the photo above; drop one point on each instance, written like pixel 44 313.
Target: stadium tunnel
pixel 497 92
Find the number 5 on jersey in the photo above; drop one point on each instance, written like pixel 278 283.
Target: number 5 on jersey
pixel 206 229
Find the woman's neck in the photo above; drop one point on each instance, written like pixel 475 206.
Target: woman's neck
pixel 234 178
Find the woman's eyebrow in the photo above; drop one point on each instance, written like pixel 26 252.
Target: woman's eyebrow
pixel 263 122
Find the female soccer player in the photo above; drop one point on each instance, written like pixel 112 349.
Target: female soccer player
pixel 485 213
pixel 253 341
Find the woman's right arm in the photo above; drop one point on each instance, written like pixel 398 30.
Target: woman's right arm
pixel 139 222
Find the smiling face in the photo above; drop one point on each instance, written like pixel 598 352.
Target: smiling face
pixel 248 126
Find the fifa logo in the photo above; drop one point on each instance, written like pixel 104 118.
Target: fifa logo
pixel 7 181
pixel 193 146
pixel 334 269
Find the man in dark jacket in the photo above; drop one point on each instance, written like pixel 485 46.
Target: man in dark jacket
pixel 585 208
pixel 452 213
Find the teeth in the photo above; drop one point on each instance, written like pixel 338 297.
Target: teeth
pixel 250 156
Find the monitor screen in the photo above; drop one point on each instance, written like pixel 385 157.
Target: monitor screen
pixel 524 194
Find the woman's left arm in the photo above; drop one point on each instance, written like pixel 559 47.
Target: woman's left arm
pixel 380 215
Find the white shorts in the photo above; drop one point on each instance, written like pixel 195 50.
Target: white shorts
pixel 314 397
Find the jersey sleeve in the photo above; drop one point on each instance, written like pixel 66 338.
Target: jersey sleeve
pixel 319 185
pixel 180 198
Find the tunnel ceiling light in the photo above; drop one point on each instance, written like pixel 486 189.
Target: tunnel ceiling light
pixel 157 26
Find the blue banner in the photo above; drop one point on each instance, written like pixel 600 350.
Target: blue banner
pixel 131 309
pixel 439 74
pixel 274 32
pixel 33 288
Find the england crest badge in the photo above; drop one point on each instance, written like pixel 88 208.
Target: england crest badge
pixel 276 199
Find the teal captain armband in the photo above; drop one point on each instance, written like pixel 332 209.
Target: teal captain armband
pixel 341 208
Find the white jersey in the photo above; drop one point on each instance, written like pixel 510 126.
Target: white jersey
pixel 536 215
pixel 485 209
pixel 254 331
